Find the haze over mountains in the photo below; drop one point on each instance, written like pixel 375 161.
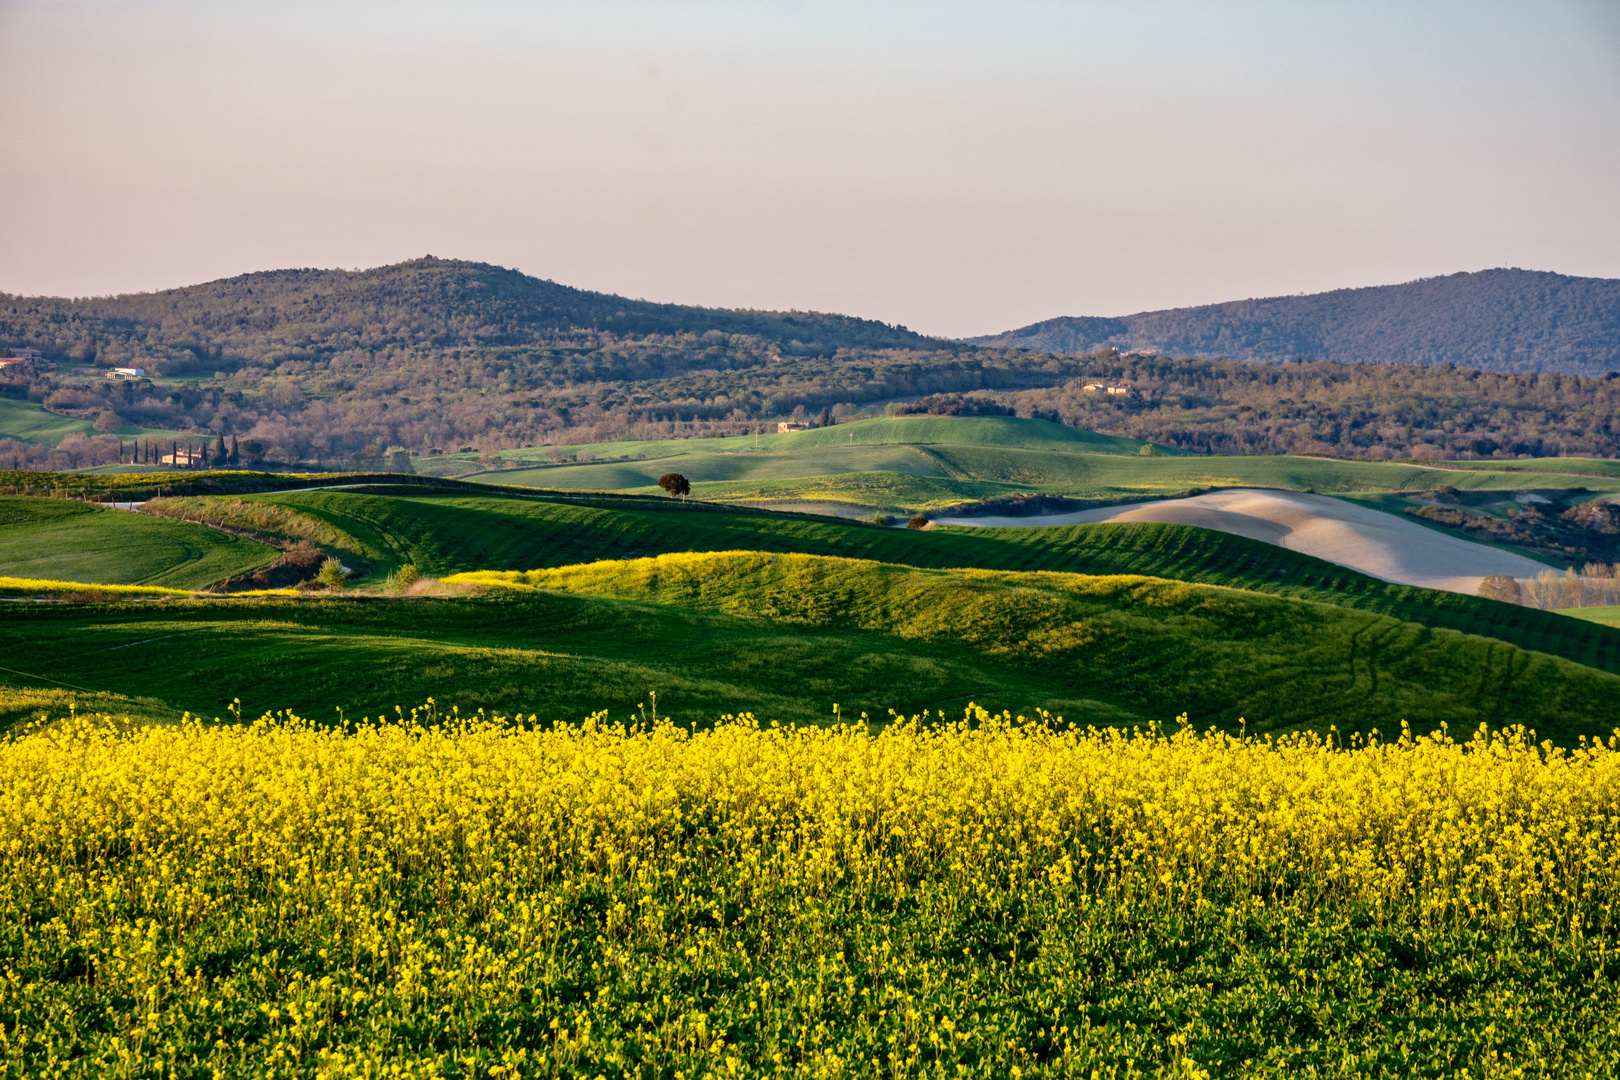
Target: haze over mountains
pixel 1494 320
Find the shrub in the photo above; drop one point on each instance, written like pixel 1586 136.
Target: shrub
pixel 401 580
pixel 918 522
pixel 332 575
pixel 882 519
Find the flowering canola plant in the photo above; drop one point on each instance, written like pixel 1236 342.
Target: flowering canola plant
pixel 992 897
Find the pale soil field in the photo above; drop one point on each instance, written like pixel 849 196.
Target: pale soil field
pixel 1375 543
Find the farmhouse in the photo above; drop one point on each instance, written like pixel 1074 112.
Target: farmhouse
pixel 17 357
pixel 127 373
pixel 793 425
pixel 1104 388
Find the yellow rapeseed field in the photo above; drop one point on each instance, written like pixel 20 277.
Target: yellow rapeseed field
pixel 440 897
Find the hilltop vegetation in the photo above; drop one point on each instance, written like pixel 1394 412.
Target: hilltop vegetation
pixel 1495 320
pixel 335 368
pixel 1348 410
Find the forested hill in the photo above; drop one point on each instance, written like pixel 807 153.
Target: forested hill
pixel 1495 320
pixel 432 303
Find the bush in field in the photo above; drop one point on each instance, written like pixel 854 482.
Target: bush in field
pixel 988 898
pixel 675 484
pixel 332 575
pixel 401 580
pixel 918 522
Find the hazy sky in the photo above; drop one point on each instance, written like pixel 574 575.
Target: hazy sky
pixel 959 168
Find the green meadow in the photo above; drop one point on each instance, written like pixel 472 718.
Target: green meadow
pixel 66 540
pixel 376 530
pixel 557 589
pixel 27 422
pixel 908 465
pixel 787 636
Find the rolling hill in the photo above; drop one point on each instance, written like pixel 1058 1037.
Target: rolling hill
pixel 785 636
pixel 377 529
pixel 324 368
pixel 64 540
pixel 1496 320
pixel 445 303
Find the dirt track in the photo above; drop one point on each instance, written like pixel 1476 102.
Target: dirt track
pixel 1375 543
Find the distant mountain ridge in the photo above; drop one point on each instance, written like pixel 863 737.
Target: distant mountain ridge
pixel 1495 320
pixel 427 302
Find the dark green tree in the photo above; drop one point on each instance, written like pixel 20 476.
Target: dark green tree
pixel 675 484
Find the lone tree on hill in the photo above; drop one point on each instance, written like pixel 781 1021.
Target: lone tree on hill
pixel 675 484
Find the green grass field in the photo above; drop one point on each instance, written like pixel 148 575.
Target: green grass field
pixel 28 422
pixel 929 464
pixel 443 533
pixel 815 466
pixel 728 466
pixel 1007 431
pixel 786 636
pixel 1608 616
pixel 64 540
pixel 448 533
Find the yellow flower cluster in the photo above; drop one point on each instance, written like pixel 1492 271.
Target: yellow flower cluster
pixel 435 896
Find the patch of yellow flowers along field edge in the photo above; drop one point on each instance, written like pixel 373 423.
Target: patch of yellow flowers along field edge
pixel 421 867
pixel 45 587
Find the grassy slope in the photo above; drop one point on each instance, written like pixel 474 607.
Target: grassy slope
pixel 28 422
pixel 786 636
pixel 1104 476
pixel 1608 616
pixel 74 541
pixel 973 472
pixel 909 430
pixel 447 533
pixel 728 465
pixel 955 460
pixel 842 448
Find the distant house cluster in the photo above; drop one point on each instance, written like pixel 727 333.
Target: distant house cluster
pixel 127 373
pixel 1104 388
pixel 783 426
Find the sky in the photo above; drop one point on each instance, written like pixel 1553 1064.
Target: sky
pixel 958 168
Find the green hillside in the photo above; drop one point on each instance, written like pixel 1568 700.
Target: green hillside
pixel 786 636
pixel 928 464
pixel 62 540
pixel 700 464
pixel 28 422
pixel 959 430
pixel 447 533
